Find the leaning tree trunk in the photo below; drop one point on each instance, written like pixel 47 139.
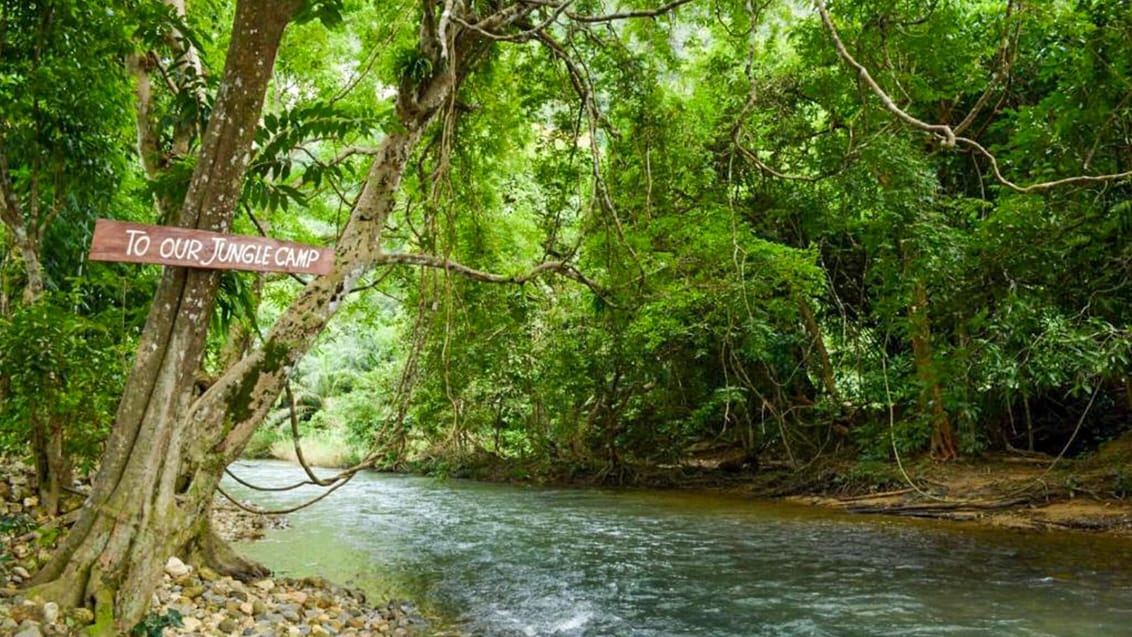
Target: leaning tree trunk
pixel 169 448
pixel 146 499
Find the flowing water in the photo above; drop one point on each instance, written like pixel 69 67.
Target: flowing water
pixel 499 560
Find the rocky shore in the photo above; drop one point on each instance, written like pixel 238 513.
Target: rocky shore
pixel 188 601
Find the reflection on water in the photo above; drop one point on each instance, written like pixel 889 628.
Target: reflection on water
pixel 498 560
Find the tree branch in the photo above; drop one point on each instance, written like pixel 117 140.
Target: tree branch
pixel 1005 61
pixel 521 36
pixel 489 26
pixel 350 151
pixel 755 13
pixel 1045 185
pixel 626 15
pixel 430 261
pixel 579 78
pixel 945 133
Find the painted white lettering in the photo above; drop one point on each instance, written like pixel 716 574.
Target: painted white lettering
pixel 216 243
pixel 137 245
pixel 313 254
pixel 193 252
pixel 179 248
pixel 247 253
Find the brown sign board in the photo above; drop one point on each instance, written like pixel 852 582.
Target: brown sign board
pixel 167 245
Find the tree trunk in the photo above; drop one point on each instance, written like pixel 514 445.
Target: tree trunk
pixel 24 241
pixel 51 467
pixel 814 332
pixel 155 483
pixel 943 444
pixel 169 447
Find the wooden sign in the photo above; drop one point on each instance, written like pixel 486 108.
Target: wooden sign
pixel 167 245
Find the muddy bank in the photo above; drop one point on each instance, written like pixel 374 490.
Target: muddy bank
pixel 1023 491
pixel 1007 489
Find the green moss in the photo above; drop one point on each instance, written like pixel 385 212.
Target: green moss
pixel 103 614
pixel 275 356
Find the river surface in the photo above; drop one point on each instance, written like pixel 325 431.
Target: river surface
pixel 498 560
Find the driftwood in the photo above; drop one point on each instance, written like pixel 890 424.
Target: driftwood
pixel 871 496
pixel 937 509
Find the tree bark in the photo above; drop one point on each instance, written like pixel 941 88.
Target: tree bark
pixel 815 334
pixel 52 470
pixel 943 444
pixel 147 501
pixel 168 447
pixel 24 240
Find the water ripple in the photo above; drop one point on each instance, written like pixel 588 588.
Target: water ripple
pixel 502 561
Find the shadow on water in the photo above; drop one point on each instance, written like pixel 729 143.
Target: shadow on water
pixel 499 560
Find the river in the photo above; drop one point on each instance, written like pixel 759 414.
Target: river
pixel 499 560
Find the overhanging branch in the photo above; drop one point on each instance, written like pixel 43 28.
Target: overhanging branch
pixel 628 15
pixel 755 13
pixel 492 25
pixel 942 130
pixel 429 261
pixel 945 133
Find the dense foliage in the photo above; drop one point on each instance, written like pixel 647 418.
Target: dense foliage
pixel 773 262
pixel 781 260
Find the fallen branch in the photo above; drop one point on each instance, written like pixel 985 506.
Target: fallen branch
pixel 871 496
pixel 934 509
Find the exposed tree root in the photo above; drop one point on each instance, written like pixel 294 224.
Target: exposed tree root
pixel 211 551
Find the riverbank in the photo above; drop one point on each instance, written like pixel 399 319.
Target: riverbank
pixel 188 601
pixel 1018 490
pixel 1007 489
pixel 1004 490
pixel 497 559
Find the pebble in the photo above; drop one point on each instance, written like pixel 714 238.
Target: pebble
pixel 29 630
pixel 175 568
pixel 273 611
pixel 209 603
